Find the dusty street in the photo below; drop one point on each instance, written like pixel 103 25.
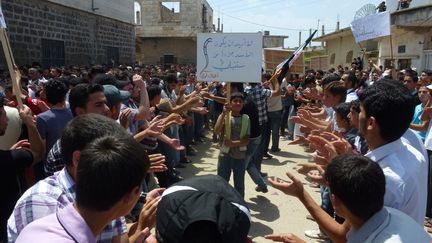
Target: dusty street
pixel 272 212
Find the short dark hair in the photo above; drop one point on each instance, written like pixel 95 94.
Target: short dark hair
pixel 329 78
pixel 236 95
pixel 109 168
pixel 79 95
pixel 153 90
pixel 413 76
pixel 391 104
pixel 171 78
pixel 343 109
pixel 55 91
pixel 83 129
pixel 337 88
pixel 358 182
pixel 428 72
pixel 355 105
pixel 2 98
pixel 353 79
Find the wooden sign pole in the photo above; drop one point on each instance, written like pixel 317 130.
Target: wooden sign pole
pixel 16 79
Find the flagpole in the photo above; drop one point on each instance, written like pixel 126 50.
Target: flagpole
pixel 16 84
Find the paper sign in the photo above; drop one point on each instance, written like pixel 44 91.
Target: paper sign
pixel 372 26
pixel 2 19
pixel 229 57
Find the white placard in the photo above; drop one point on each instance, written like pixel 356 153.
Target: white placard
pixel 229 57
pixel 372 26
pixel 2 19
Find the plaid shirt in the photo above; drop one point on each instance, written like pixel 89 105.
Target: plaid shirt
pixel 45 198
pixel 54 161
pixel 259 96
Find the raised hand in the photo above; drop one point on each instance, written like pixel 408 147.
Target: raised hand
pixel 287 238
pixel 292 188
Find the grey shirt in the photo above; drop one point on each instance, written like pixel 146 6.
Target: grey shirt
pixel 236 123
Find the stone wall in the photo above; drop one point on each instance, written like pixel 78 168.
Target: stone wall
pixel 87 37
pixel 151 50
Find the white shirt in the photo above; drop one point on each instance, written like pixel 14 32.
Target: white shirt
pixel 13 130
pixel 405 170
pixel 351 96
pixel 428 139
pixel 390 226
pixel 413 139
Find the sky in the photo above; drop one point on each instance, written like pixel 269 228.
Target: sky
pixel 286 17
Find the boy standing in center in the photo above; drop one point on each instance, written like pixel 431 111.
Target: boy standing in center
pixel 235 131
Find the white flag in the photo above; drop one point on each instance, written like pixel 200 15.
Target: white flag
pixel 2 19
pixel 371 27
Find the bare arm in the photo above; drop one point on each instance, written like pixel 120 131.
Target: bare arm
pixel 420 127
pixel 37 147
pixel 144 106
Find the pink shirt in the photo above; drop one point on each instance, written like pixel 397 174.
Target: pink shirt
pixel 66 225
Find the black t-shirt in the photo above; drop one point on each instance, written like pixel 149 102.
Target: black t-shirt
pixel 12 164
pixel 250 109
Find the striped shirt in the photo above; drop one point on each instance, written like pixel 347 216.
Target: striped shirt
pixel 44 198
pixel 259 96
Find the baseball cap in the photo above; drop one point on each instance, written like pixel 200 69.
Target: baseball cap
pixel 114 95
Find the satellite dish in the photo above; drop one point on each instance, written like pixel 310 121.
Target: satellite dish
pixel 364 11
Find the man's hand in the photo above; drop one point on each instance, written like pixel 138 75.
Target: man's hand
pixel 157 163
pixel 26 116
pixel 147 217
pixel 304 168
pixel 155 193
pixel 228 143
pixel 124 117
pixel 175 144
pixel 287 238
pixel 292 188
pixel 296 119
pixel 145 237
pixel 317 176
pixel 21 144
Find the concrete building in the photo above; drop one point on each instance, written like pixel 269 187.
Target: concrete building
pixel 411 35
pixel 70 32
pixel 166 31
pixel 341 48
pixel 411 30
pixel 270 41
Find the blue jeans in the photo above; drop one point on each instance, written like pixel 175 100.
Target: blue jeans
pixel 226 164
pixel 250 167
pixel 261 150
pixel 275 123
pixel 284 118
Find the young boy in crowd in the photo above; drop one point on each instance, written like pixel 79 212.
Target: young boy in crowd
pixel 235 131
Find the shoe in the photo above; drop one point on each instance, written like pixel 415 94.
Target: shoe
pixel 185 161
pixel 275 150
pixel 190 151
pixel 180 166
pixel 267 156
pixel 316 234
pixel 262 189
pixel 263 174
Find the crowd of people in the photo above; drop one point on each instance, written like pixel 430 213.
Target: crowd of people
pixel 93 153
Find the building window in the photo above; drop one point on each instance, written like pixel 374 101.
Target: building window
pixel 404 63
pixel 53 53
pixel 112 56
pixel 170 12
pixel 137 8
pixel 349 57
pixel 173 6
pixel 332 58
pixel 401 49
